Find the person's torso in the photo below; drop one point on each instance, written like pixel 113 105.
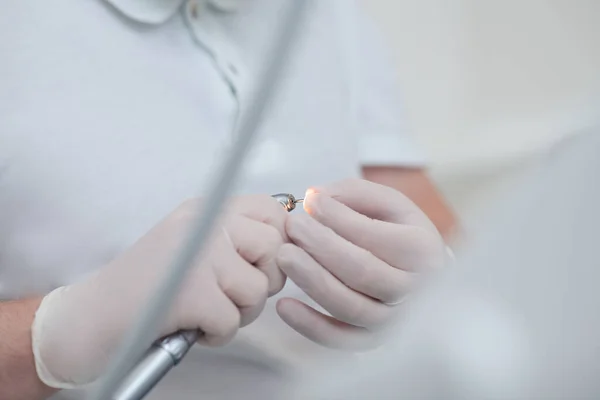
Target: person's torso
pixel 106 125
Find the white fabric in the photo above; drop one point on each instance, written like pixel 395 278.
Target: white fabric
pixel 158 11
pixel 148 11
pixel 107 125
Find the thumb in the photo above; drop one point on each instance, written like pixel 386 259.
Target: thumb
pixel 375 201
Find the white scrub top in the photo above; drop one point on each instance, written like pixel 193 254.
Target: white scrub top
pixel 114 112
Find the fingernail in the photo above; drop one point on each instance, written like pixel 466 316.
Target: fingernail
pixel 312 190
pixel 307 200
pixel 314 202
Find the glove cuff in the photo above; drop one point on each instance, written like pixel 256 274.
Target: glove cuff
pixel 39 332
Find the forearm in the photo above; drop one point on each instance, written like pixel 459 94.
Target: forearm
pixel 18 377
pixel 416 185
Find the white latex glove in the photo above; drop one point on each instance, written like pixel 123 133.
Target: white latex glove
pixel 78 327
pixel 357 255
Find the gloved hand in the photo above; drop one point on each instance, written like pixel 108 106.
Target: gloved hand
pixel 78 327
pixel 356 254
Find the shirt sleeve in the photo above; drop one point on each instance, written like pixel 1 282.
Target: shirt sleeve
pixel 382 130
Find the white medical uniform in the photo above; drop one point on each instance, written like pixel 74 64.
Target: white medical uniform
pixel 114 112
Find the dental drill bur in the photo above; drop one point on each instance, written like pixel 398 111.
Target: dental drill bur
pixel 288 201
pixel 167 352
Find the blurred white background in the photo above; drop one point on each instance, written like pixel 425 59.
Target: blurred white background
pixel 489 85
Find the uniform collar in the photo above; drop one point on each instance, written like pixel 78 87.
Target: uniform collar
pixel 159 11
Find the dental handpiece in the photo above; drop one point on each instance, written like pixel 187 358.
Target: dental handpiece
pixel 167 352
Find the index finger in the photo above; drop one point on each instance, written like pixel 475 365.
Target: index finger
pixel 406 247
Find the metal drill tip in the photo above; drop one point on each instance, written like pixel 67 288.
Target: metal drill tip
pixel 299 201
